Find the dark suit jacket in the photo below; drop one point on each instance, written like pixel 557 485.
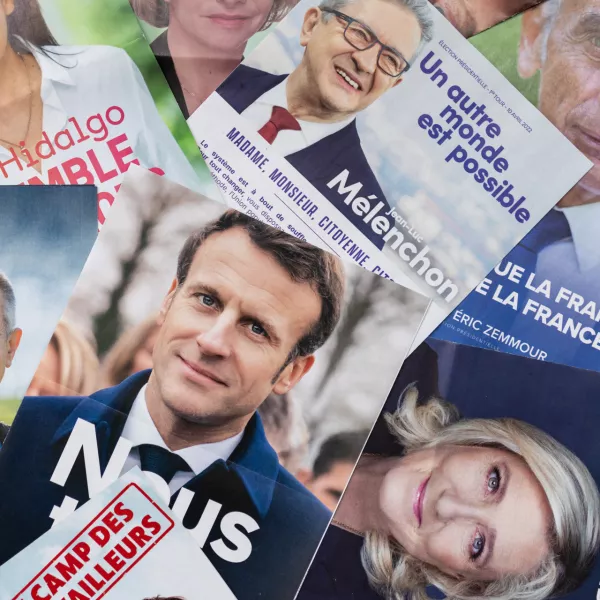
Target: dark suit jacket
pixel 291 520
pixel 322 161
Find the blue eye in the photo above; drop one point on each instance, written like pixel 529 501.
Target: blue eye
pixel 477 546
pixel 493 482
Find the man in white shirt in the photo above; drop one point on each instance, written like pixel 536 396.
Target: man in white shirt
pixel 354 52
pixel 247 310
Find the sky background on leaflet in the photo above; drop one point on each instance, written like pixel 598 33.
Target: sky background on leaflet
pixel 46 234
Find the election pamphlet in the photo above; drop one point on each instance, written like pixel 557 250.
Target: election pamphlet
pixel 250 357
pixel 479 479
pixel 85 99
pixel 123 544
pixel 415 159
pixel 45 238
pixel 543 299
pixel 198 47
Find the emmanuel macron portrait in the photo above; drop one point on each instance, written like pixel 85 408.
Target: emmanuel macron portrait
pixel 247 310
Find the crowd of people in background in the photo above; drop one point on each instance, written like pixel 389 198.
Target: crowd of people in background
pixel 70 367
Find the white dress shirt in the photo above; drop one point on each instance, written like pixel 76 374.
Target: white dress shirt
pixel 574 263
pixel 289 141
pixel 140 429
pixel 79 82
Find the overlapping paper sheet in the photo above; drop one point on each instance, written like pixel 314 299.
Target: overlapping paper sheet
pixel 128 279
pixel 543 299
pixel 96 102
pixel 429 182
pixel 123 543
pixel 45 238
pixel 479 490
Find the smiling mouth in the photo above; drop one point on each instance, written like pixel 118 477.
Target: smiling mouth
pixel 229 20
pixel 349 80
pixel 419 499
pixel 200 374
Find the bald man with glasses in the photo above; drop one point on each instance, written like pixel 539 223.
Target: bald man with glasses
pixel 354 52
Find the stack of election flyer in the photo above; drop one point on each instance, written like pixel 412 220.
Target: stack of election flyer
pixel 543 299
pixel 123 544
pixel 84 99
pixel 472 484
pixel 377 132
pixel 198 47
pixel 45 238
pixel 250 358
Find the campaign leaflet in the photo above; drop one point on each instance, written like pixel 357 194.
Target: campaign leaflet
pixel 123 544
pixel 543 299
pixel 479 460
pixel 197 49
pixel 427 178
pixel 87 99
pixel 45 238
pixel 265 346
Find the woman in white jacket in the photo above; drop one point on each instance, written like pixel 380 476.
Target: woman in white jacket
pixel 75 115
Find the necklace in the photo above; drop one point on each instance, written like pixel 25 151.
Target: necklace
pixel 185 89
pixel 348 528
pixel 21 144
pixel 343 525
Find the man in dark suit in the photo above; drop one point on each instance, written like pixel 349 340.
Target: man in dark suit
pixel 351 59
pixel 243 318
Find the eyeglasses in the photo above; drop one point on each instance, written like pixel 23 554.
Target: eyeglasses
pixel 359 36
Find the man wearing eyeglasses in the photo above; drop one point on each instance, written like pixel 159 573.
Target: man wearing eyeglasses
pixel 354 52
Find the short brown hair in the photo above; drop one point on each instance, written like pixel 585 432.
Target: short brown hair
pixel 303 262
pixel 156 12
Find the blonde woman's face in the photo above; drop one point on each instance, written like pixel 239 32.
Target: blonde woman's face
pixel 474 513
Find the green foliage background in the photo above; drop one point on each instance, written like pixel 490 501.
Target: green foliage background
pixel 113 23
pixel 8 410
pixel 500 45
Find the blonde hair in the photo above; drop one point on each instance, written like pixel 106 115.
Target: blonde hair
pixel 117 363
pixel 156 12
pixel 77 360
pixel 569 487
